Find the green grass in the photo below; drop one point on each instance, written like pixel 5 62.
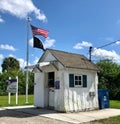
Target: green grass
pixel 21 100
pixel 115 104
pixel 111 120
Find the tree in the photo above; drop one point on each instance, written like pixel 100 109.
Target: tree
pixel 31 83
pixel 109 78
pixel 3 86
pixel 11 68
pixel 10 64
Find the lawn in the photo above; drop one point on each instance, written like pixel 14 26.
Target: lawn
pixel 21 100
pixel 114 104
pixel 112 120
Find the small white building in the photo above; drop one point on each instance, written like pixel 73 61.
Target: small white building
pixel 66 82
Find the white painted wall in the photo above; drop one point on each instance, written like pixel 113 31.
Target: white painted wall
pixel 67 99
pixel 48 57
pixel 78 99
pixel 59 93
pixel 39 90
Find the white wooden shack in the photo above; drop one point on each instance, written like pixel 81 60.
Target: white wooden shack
pixel 65 82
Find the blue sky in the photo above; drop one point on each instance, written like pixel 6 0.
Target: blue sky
pixel 73 25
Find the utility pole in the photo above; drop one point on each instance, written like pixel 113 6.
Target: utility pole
pixel 90 51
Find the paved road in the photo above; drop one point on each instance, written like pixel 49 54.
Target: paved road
pixel 32 115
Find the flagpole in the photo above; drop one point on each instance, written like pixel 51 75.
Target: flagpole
pixel 27 59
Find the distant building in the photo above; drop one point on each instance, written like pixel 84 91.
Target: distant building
pixel 66 82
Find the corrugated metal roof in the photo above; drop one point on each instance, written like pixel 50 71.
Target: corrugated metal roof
pixel 72 60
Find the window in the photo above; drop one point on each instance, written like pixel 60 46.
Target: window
pixel 51 79
pixel 77 80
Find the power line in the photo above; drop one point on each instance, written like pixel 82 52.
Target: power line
pixel 107 44
pixel 90 48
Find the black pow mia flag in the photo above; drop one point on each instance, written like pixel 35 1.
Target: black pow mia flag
pixel 37 43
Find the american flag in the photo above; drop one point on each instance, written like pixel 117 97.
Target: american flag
pixel 39 31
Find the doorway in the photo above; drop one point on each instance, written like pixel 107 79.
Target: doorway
pixel 51 84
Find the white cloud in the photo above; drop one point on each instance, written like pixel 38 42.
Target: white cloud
pixel 1 20
pixel 1 56
pixel 21 8
pixel 11 55
pixel 36 60
pixel 117 42
pixel 7 47
pixel 83 44
pixel 31 42
pixel 104 54
pixel 22 62
pixel 48 42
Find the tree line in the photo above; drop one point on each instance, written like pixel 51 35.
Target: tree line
pixel 109 78
pixel 11 68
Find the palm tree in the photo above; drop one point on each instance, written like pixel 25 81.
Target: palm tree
pixel 10 64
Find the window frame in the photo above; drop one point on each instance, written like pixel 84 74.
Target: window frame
pixel 84 80
pixel 77 80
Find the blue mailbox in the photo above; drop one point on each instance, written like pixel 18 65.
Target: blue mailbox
pixel 103 97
